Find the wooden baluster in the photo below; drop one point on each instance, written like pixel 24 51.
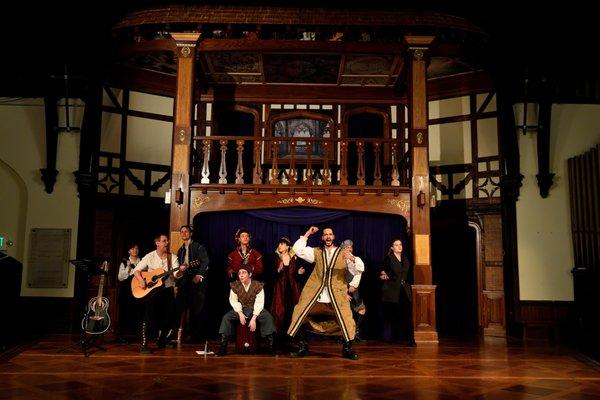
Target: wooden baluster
pixel 377 172
pixel 274 168
pixel 257 174
pixel 309 172
pixel 360 174
pixel 223 167
pixel 326 172
pixel 395 172
pixel 292 174
pixel 239 170
pixel 205 170
pixel 344 162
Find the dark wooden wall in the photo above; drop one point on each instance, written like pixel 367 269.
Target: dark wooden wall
pixel 584 188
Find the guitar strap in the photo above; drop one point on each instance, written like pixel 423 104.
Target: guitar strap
pixel 169 265
pixel 169 262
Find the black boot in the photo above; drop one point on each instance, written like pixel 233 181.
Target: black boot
pixel 161 343
pixel 144 341
pixel 271 344
pixel 357 337
pixel 301 351
pixel 171 338
pixel 347 351
pixel 223 346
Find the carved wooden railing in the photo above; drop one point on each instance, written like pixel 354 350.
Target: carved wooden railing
pixel 113 172
pixel 484 174
pixel 237 160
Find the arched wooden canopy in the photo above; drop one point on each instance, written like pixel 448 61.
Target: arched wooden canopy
pixel 266 55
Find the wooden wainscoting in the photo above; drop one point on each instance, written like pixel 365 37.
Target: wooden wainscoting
pixel 547 320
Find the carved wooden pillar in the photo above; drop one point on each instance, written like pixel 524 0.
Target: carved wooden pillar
pixel 51 116
pixel 182 134
pixel 544 177
pixel 423 291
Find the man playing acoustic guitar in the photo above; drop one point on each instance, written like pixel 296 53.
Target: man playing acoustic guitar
pixel 159 306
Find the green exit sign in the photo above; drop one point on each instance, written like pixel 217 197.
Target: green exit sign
pixel 2 242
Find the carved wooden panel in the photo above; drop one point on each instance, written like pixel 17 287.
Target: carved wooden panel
pixel 544 319
pixel 494 279
pixel 424 313
pixel 492 238
pixel 493 313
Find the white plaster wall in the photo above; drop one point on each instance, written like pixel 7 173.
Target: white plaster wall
pixel 23 151
pixel 148 141
pixel 543 225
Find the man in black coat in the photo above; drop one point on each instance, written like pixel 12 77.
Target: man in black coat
pixel 191 287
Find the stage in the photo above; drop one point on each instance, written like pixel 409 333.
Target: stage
pixel 450 370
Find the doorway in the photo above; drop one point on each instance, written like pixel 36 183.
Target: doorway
pixel 454 265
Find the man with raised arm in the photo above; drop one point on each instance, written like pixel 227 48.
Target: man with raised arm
pixel 325 294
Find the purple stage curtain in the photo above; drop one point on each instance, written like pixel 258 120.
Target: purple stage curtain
pixel 370 232
pixel 298 215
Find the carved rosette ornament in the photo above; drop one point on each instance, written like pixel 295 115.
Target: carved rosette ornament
pixel 403 205
pixel 420 137
pixel 300 200
pixel 418 54
pixel 199 202
pixel 185 51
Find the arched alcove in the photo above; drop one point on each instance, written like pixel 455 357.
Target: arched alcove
pixel 13 212
pixel 366 123
pixel 235 120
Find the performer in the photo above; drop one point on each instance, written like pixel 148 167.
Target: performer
pixel 325 293
pixel 159 307
pixel 129 263
pixel 244 255
pixel 129 308
pixel 287 288
pixel 396 294
pixel 354 272
pixel 191 287
pixel 247 299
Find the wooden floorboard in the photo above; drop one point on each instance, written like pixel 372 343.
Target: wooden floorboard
pixel 486 370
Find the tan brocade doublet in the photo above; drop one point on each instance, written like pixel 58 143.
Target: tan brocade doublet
pixel 333 279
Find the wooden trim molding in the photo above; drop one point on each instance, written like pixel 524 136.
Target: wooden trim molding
pixel 203 200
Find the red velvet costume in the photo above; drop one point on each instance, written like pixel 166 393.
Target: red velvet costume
pixel 285 293
pixel 235 259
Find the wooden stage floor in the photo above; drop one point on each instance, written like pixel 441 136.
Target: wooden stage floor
pixel 450 370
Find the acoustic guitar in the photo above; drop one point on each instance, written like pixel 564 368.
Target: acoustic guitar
pixel 96 320
pixel 154 280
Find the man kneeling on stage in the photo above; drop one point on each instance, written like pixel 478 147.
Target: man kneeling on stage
pixel 247 298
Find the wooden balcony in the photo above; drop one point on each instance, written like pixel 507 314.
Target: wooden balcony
pixel 359 174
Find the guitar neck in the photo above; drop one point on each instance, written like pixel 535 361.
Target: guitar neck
pixel 102 279
pixel 171 271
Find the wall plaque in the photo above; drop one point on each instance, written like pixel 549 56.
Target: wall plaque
pixel 49 258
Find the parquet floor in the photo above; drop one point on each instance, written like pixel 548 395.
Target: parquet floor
pixel 490 370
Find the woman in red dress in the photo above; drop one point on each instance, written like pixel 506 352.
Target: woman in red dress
pixel 286 291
